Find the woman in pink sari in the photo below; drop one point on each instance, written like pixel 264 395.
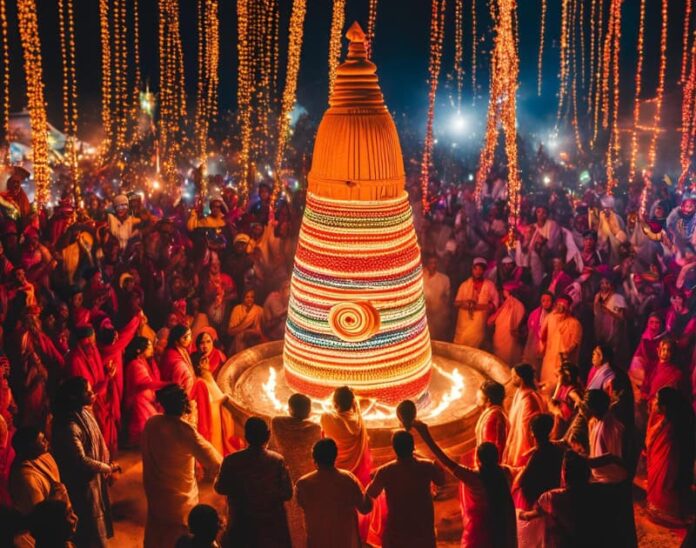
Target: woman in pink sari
pixel 345 426
pixel 669 446
pixel 176 365
pixel 141 381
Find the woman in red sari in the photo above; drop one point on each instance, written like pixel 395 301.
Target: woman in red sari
pixel 206 345
pixel 141 381
pixel 176 365
pixel 490 512
pixel 669 446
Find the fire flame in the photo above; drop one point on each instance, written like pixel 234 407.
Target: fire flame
pixel 374 410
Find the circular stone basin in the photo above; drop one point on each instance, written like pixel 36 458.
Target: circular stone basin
pixel 449 406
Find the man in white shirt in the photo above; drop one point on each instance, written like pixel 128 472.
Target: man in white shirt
pixel 436 287
pixel 122 225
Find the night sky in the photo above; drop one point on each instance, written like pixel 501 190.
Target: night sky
pixel 400 51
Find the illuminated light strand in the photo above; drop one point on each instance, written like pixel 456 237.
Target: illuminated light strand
pixel 33 71
pixel 337 22
pixel 474 51
pixel 685 40
pixel 540 59
pixel 581 15
pixel 120 59
pixel 296 31
pixel 244 92
pixel 276 53
pixel 5 79
pixel 639 89
pixel 652 150
pixel 137 77
pixel 590 87
pixel 437 33
pixel 107 77
pixel 66 25
pixel 574 65
pixel 371 25
pixel 614 148
pixel 598 70
pixel 458 49
pixel 688 123
pixel 502 107
pixel 564 61
pixel 265 60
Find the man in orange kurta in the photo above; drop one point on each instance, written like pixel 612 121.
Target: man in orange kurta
pixel 560 339
pixel 526 403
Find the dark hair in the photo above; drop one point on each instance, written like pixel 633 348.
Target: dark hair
pixel 48 523
pixel 547 292
pixel 136 347
pixel 175 333
pixel 597 401
pixel 106 336
pixel 325 452
pixel 200 336
pixel 575 469
pixel 526 373
pixel 70 396
pixel 24 440
pixel 541 426
pixel 607 354
pixel 402 442
pixel 494 391
pixel 572 370
pixel 204 522
pixel 256 431
pixel 300 406
pixel 173 400
pixel 497 489
pixel 343 397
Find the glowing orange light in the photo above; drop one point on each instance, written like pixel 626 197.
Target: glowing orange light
pixel 639 86
pixel 652 151
pixel 371 25
pixel 685 40
pixel 541 47
pixel 337 22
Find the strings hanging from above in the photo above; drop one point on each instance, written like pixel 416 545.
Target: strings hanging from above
pixel 66 23
pixel 502 111
pixel 437 33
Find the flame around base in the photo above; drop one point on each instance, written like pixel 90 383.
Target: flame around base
pixel 372 409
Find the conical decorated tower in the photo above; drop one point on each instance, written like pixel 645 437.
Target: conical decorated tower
pixel 357 312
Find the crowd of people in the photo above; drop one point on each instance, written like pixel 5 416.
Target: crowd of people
pixel 117 312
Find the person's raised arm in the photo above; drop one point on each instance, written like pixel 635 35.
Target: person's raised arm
pixel 440 455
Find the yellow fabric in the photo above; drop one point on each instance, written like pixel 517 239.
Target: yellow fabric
pixel 349 433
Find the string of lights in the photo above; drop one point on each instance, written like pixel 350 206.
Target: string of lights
pixel 540 59
pixel 639 88
pixel 688 7
pixel 5 78
pixel 657 120
pixel 137 77
pixel 337 22
pixel 688 124
pixel 581 16
pixel 474 51
pixel 296 31
pixel 564 52
pixel 437 32
pixel 614 149
pixel 120 74
pixel 66 25
pixel 574 65
pixel 598 40
pixel 371 23
pixel 458 49
pixel 33 71
pixel 107 77
pixel 244 92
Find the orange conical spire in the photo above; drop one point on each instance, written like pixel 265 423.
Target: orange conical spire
pixel 357 155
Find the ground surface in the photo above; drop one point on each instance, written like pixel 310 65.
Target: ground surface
pixel 129 507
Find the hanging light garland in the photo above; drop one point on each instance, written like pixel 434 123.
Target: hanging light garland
pixel 598 69
pixel 371 23
pixel 244 93
pixel 502 109
pixel 5 79
pixel 688 125
pixel 652 151
pixel 576 72
pixel 137 78
pixel 265 61
pixel 688 6
pixel 296 31
pixel 474 51
pixel 33 71
pixel 172 90
pixel 540 59
pixel 437 33
pixel 337 22
pixel 639 89
pixel 66 25
pixel 581 16
pixel 564 52
pixel 458 49
pixel 612 55
pixel 121 95
pixel 107 77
